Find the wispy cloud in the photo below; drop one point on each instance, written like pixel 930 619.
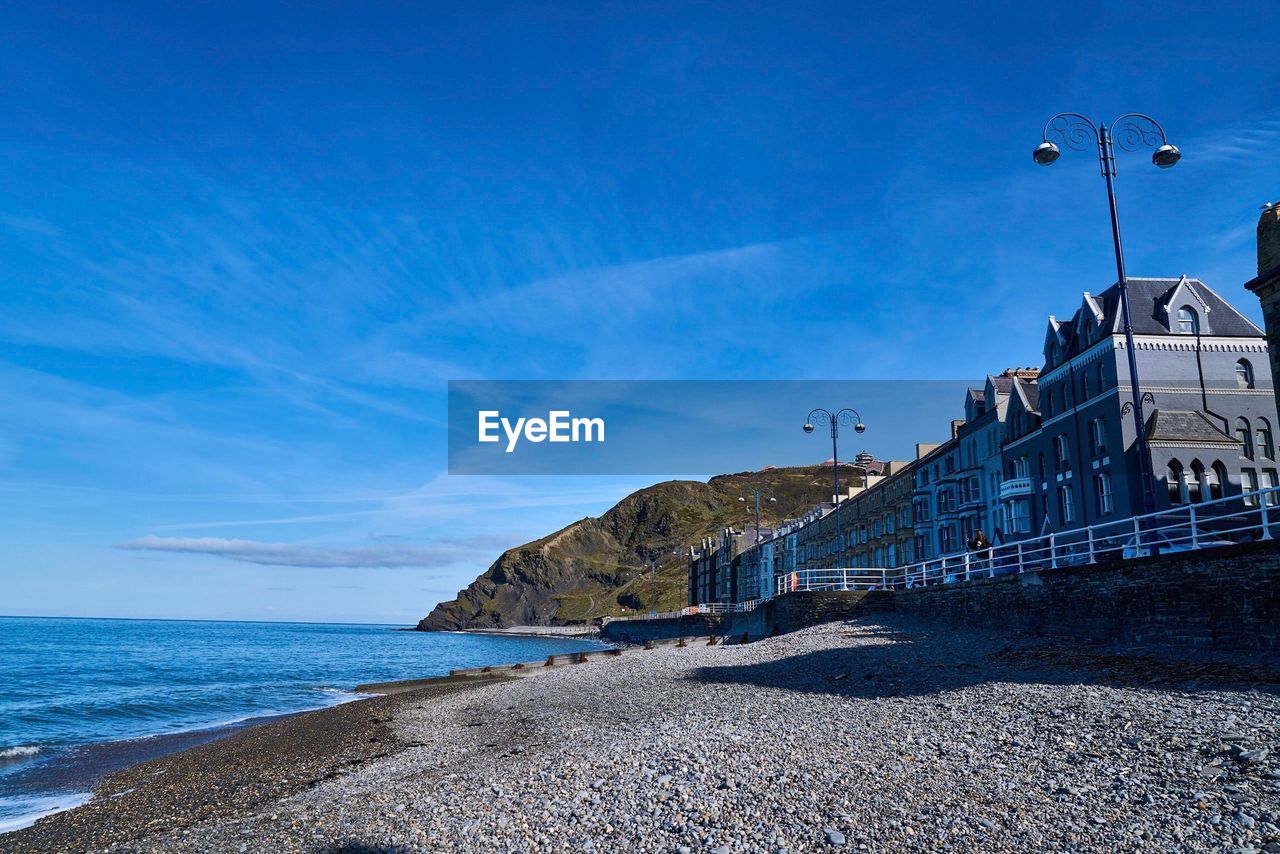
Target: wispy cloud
pixel 1237 145
pixel 443 553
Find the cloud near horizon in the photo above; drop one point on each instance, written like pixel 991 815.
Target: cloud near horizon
pixel 443 553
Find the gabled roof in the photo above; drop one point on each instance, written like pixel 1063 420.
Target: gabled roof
pixel 1029 391
pixel 1186 428
pixel 1002 385
pixel 1150 299
pixel 1153 306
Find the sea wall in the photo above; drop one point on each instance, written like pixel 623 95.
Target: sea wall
pixel 639 631
pixel 1227 598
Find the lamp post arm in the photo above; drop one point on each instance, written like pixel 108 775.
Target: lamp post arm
pixel 1069 125
pixel 1141 131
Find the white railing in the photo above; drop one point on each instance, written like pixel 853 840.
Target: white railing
pixel 835 579
pixel 708 608
pixel 1189 527
pixel 1251 517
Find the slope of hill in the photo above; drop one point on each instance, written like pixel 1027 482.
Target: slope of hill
pixel 598 567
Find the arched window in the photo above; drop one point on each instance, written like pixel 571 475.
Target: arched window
pixel 1188 321
pixel 1177 486
pixel 1217 477
pixel 1266 450
pixel 1245 435
pixel 1244 374
pixel 1197 487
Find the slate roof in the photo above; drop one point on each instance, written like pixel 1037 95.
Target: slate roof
pixel 1031 391
pixel 1002 385
pixel 1152 312
pixel 1186 428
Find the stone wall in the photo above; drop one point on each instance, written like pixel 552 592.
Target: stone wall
pixel 639 631
pixel 1227 598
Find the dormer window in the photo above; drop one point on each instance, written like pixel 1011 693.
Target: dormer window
pixel 1188 321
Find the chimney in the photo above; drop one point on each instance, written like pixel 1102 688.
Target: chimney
pixel 1269 238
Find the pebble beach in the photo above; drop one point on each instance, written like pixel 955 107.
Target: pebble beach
pixel 875 735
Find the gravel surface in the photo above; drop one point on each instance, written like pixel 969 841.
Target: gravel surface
pixel 873 736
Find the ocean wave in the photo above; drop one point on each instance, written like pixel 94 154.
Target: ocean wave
pixel 20 752
pixel 23 811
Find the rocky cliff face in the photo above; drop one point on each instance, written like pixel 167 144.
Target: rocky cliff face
pixel 599 566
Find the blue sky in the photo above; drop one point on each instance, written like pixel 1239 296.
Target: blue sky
pixel 245 246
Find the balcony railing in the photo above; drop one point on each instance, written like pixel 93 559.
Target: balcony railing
pixel 1015 486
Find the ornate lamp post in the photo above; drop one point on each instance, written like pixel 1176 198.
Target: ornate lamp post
pixel 1136 131
pixel 846 417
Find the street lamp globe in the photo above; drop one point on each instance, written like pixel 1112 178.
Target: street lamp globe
pixel 808 428
pixel 859 427
pixel 1166 156
pixel 773 501
pixel 743 500
pixel 1046 153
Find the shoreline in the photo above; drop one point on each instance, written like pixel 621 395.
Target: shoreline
pixel 247 763
pixel 71 774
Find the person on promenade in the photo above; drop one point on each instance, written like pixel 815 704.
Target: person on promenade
pixel 979 544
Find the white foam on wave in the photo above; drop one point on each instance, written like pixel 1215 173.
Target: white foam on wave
pixel 20 752
pixel 24 811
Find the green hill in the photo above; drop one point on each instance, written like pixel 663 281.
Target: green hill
pixel 598 567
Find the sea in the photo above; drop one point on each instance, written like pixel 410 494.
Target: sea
pixel 81 698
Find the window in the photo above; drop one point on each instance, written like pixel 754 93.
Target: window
pixel 1188 321
pixel 1063 451
pixel 1102 493
pixel 1196 485
pixel 1084 386
pixel 1245 436
pixel 1101 381
pixel 1244 374
pixel 1020 516
pixel 1066 510
pixel 1217 477
pixel 1043 470
pixel 1175 478
pixel 1249 483
pixel 1269 482
pixel 1098 434
pixel 1266 451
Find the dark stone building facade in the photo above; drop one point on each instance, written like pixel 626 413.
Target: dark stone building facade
pixel 1070 456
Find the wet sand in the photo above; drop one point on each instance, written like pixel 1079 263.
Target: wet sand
pixel 224 773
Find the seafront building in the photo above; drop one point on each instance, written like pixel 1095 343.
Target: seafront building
pixel 1210 409
pixel 1051 449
